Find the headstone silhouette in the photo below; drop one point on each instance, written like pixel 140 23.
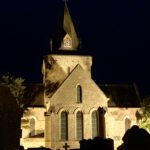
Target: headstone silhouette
pixel 135 139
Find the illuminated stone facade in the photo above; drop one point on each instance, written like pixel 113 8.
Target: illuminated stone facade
pixel 70 106
pixel 116 123
pixel 37 138
pixel 64 98
pixel 60 95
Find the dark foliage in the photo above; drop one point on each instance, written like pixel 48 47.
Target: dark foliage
pixel 135 139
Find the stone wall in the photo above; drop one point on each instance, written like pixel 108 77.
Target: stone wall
pixel 116 122
pixel 39 139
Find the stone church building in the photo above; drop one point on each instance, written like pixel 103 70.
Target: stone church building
pixel 69 106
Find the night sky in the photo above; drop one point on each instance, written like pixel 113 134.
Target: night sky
pixel 115 32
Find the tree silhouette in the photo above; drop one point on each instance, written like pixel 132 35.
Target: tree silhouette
pixel 145 121
pixel 16 87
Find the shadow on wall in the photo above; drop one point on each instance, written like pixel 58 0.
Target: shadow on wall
pixel 135 139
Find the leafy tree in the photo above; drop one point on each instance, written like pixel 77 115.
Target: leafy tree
pixel 16 87
pixel 145 122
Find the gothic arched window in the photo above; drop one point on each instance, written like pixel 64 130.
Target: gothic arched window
pixel 64 126
pixel 79 125
pixel 127 124
pixel 94 124
pixel 79 94
pixel 32 127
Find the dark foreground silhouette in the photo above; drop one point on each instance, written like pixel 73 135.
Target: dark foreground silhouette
pixel 40 148
pixel 96 144
pixel 10 121
pixel 135 139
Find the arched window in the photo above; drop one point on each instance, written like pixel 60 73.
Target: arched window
pixel 69 70
pixel 32 127
pixel 94 124
pixel 64 126
pixel 127 124
pixel 79 94
pixel 79 125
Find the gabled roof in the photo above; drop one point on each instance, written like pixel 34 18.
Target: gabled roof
pixel 121 95
pixel 93 95
pixel 146 101
pixel 34 95
pixel 54 91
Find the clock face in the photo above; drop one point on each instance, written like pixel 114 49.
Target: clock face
pixel 67 41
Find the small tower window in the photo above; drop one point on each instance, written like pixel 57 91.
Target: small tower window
pixel 67 42
pixel 79 125
pixel 127 124
pixel 32 127
pixel 79 94
pixel 68 70
pixel 64 126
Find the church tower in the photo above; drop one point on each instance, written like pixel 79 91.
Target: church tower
pixel 63 60
pixel 72 99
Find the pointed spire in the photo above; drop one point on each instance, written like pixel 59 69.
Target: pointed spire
pixel 70 40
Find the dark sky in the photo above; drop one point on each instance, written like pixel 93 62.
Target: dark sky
pixel 115 32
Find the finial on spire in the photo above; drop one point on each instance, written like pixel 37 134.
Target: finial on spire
pixel 65 1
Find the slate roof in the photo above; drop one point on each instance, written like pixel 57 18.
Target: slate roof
pixel 121 95
pixel 34 95
pixel 146 101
